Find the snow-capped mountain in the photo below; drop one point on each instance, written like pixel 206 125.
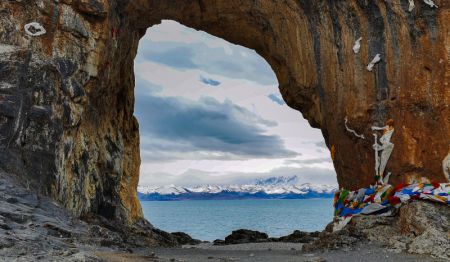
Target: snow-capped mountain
pixel 280 180
pixel 270 188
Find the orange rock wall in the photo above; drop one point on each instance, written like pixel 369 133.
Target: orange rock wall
pixel 67 98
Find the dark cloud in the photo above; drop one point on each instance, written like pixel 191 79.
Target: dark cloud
pixel 163 150
pixel 179 125
pixel 209 81
pixel 241 63
pixel 277 99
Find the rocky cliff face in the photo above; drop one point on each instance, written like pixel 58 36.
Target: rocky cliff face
pixel 66 95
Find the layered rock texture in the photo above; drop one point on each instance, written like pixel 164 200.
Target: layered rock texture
pixel 35 228
pixel 418 227
pixel 66 96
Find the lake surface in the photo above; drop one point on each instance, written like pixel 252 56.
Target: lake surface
pixel 213 219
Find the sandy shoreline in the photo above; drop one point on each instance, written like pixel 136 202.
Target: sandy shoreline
pixel 262 252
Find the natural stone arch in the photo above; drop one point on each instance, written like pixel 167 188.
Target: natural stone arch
pixel 300 38
pixel 67 98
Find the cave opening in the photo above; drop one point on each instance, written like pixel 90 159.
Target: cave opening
pixel 215 128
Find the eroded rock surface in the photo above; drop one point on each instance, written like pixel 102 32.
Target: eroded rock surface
pixel 67 98
pixel 420 227
pixel 35 228
pixel 184 239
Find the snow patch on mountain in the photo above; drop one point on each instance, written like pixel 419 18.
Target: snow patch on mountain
pixel 281 180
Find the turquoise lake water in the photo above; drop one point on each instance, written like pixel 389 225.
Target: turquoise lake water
pixel 213 219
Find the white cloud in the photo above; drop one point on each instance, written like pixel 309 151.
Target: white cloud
pixel 171 31
pixel 205 166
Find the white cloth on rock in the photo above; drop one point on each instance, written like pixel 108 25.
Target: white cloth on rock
pixel 446 167
pixel 430 3
pixel 411 5
pixel 374 61
pixel 386 148
pixel 372 208
pixel 341 223
pixel 38 29
pixel 357 45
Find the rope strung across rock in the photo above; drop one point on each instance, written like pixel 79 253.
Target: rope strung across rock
pixel 351 130
pixel 384 199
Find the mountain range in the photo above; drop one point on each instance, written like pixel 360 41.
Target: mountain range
pixel 267 188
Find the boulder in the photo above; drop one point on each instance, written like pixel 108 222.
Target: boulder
pixel 219 242
pixel 243 236
pixel 185 239
pixel 299 237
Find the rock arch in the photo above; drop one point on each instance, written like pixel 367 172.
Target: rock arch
pixel 66 97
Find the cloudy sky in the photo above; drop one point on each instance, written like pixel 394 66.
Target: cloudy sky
pixel 210 112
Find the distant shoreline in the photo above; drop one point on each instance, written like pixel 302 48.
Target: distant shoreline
pixel 273 188
pixel 241 199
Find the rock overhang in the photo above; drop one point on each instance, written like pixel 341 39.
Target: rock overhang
pixel 66 96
